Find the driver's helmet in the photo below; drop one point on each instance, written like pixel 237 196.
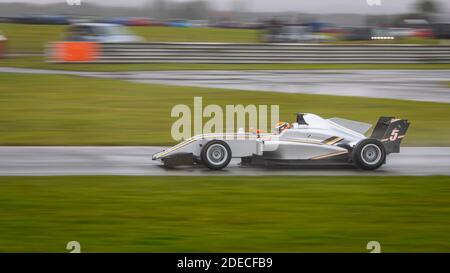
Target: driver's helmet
pixel 281 126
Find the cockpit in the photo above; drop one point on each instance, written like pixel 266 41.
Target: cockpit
pixel 300 123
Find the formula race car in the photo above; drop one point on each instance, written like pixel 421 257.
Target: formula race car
pixel 311 139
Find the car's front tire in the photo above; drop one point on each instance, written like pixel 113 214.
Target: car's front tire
pixel 216 154
pixel 369 154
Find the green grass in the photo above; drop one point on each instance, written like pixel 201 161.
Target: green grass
pixel 221 35
pixel 67 110
pixel 225 214
pixel 39 63
pixel 25 38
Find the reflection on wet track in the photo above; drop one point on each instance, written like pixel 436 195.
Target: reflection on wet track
pixel 35 161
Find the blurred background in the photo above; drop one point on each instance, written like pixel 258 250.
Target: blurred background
pixel 361 21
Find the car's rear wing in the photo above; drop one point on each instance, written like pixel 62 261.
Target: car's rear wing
pixel 390 131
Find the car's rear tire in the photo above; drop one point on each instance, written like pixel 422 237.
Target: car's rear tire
pixel 216 154
pixel 369 154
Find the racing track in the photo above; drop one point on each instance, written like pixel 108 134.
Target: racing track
pixel 40 161
pixel 420 85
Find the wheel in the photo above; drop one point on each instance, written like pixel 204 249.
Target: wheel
pixel 216 154
pixel 369 154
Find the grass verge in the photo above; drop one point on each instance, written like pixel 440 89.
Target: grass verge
pixel 39 63
pixel 225 214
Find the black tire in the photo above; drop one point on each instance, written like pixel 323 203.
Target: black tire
pixel 369 154
pixel 216 154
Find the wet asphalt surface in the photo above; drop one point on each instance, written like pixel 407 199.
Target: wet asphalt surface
pixel 420 85
pixel 134 161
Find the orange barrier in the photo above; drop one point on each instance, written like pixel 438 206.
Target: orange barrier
pixel 75 51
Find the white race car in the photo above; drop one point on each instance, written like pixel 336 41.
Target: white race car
pixel 311 139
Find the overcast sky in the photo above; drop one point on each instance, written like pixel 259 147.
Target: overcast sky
pixel 310 6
